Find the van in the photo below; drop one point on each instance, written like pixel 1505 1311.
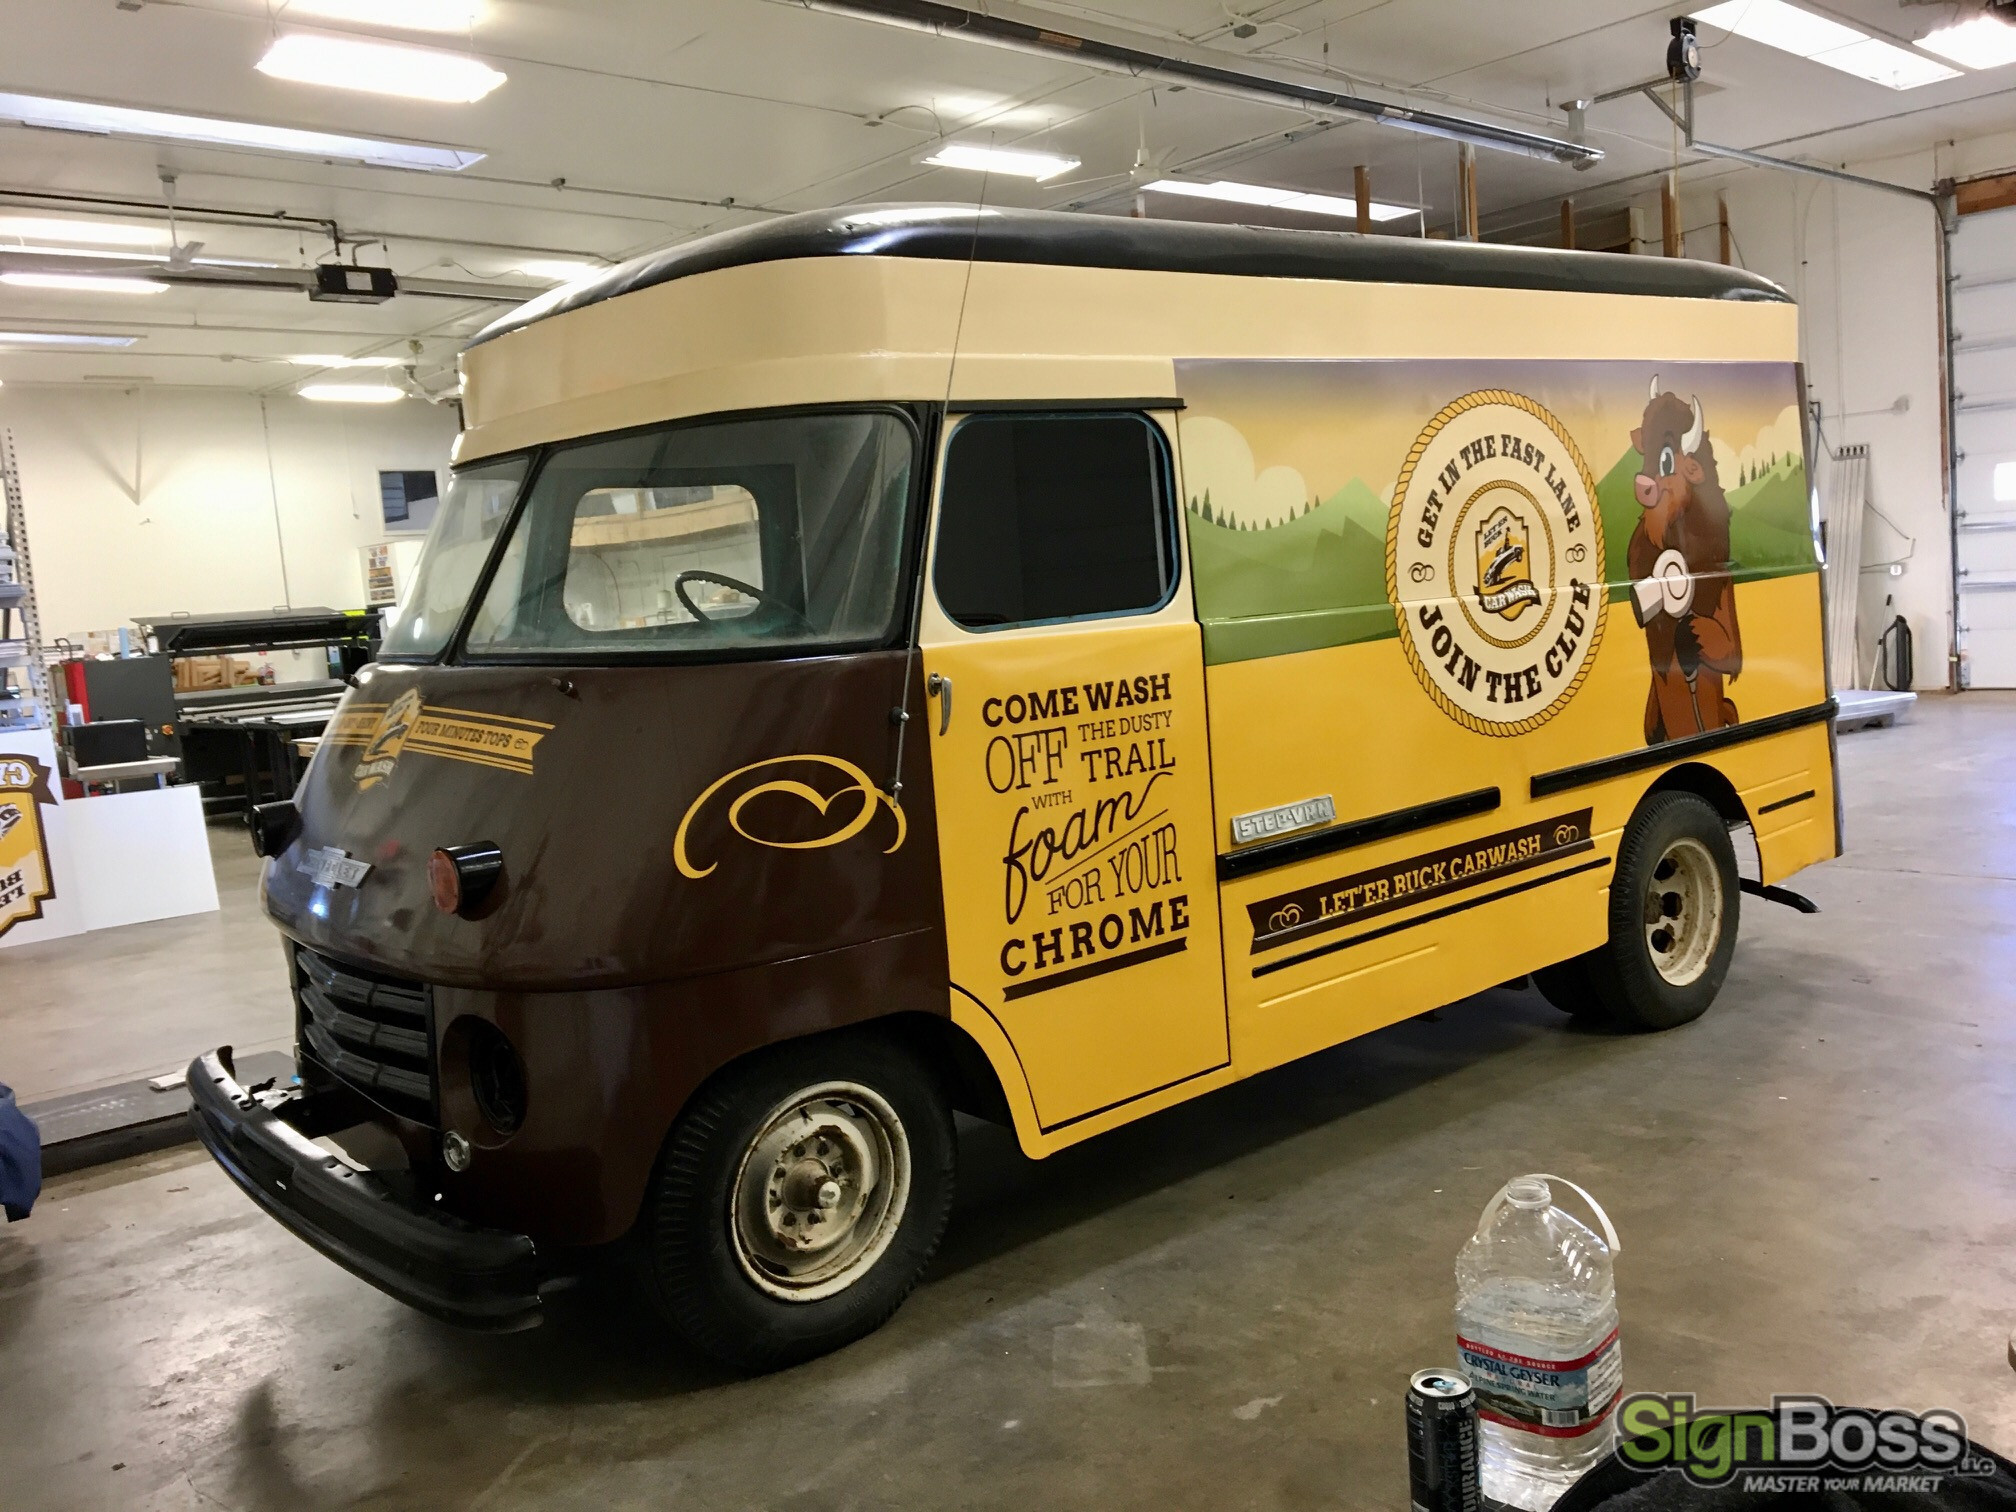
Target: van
pixel 891 661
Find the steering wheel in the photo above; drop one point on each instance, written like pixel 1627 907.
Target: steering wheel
pixel 679 587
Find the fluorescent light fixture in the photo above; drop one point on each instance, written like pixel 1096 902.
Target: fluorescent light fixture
pixel 414 73
pixel 80 339
pixel 1276 199
pixel 413 15
pixel 2005 482
pixel 160 259
pixel 161 125
pixel 109 233
pixel 1887 64
pixel 327 360
pixel 84 283
pixel 1825 40
pixel 1010 160
pixel 560 270
pixel 1983 42
pixel 352 393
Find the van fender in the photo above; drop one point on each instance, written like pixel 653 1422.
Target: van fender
pixel 972 1017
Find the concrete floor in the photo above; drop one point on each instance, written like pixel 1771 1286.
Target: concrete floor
pixel 120 1004
pixel 1216 1308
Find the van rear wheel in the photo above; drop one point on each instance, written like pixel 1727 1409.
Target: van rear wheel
pixel 1673 918
pixel 799 1199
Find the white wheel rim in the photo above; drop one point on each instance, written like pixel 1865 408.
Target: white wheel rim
pixel 1683 912
pixel 820 1191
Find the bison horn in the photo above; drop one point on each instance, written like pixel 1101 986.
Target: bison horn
pixel 1691 442
pixel 1655 388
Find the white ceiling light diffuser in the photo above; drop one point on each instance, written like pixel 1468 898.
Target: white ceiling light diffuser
pixel 1983 42
pixel 327 360
pixel 168 126
pixel 1275 199
pixel 413 73
pixel 1013 161
pixel 84 283
pixel 94 232
pixel 352 393
pixel 81 339
pixel 411 15
pixel 1825 40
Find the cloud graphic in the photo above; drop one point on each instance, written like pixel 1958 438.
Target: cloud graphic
pixel 1217 460
pixel 1781 438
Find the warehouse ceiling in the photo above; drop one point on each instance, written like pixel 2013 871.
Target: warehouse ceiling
pixel 626 124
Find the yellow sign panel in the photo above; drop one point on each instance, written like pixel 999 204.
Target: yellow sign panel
pixel 1075 835
pixel 25 879
pixel 408 723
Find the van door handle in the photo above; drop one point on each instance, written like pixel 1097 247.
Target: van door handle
pixel 939 686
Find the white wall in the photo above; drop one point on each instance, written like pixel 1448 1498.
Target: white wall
pixel 154 501
pixel 1864 267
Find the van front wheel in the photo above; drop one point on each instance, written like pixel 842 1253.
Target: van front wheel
pixel 799 1199
pixel 1673 917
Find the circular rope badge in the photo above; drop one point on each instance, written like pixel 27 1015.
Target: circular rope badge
pixel 1494 563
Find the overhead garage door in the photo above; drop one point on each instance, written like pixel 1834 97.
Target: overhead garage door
pixel 1983 269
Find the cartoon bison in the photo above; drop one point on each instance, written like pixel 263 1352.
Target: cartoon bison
pixel 1678 558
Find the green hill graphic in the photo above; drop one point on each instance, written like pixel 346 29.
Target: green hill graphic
pixel 1316 580
pixel 1319 579
pixel 1769 535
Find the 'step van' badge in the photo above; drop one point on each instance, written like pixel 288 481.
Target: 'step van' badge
pixel 1494 563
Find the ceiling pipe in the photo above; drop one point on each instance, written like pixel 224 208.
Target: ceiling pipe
pixel 997 27
pixel 274 280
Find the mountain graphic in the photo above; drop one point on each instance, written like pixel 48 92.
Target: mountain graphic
pixel 1769 534
pixel 1319 579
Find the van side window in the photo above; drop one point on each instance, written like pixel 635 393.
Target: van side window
pixel 1054 517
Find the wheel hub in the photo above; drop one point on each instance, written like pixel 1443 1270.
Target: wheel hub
pixel 820 1191
pixel 1683 912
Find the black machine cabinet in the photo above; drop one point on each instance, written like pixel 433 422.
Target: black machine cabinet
pixel 239 743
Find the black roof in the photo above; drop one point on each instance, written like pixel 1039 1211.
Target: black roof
pixel 957 232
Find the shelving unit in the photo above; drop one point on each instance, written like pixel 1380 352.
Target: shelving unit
pixel 24 676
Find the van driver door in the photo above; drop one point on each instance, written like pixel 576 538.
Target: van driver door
pixel 1070 756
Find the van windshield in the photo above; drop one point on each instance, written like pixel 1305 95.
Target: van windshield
pixel 776 534
pixel 478 503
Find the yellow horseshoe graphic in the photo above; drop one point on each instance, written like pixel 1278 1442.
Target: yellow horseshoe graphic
pixel 859 786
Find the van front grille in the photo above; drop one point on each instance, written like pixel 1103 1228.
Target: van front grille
pixel 371 1031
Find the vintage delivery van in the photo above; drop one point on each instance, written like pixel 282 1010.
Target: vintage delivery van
pixel 907 659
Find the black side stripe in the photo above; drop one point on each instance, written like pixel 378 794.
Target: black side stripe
pixel 1293 848
pixel 1096 968
pixel 1428 918
pixel 1678 750
pixel 1786 802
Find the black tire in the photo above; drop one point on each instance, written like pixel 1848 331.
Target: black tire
pixel 1567 986
pixel 1675 878
pixel 715 1257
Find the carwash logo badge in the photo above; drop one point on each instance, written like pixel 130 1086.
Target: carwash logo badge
pixel 1494 563
pixel 1797 1444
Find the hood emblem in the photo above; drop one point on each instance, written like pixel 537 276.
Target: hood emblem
pixel 330 867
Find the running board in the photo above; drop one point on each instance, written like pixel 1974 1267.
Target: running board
pixel 1796 901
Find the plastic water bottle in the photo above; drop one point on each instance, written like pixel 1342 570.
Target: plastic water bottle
pixel 1536 1328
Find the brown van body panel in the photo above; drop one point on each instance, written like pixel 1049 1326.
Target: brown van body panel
pixel 623 980
pixel 608 1071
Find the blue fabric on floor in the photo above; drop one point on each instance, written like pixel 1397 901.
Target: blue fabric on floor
pixel 20 1158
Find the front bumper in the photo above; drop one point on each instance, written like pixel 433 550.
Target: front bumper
pixel 478 1278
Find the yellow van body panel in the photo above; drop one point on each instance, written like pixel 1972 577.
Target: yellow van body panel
pixel 1272 721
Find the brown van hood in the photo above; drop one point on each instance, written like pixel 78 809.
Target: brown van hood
pixel 656 822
